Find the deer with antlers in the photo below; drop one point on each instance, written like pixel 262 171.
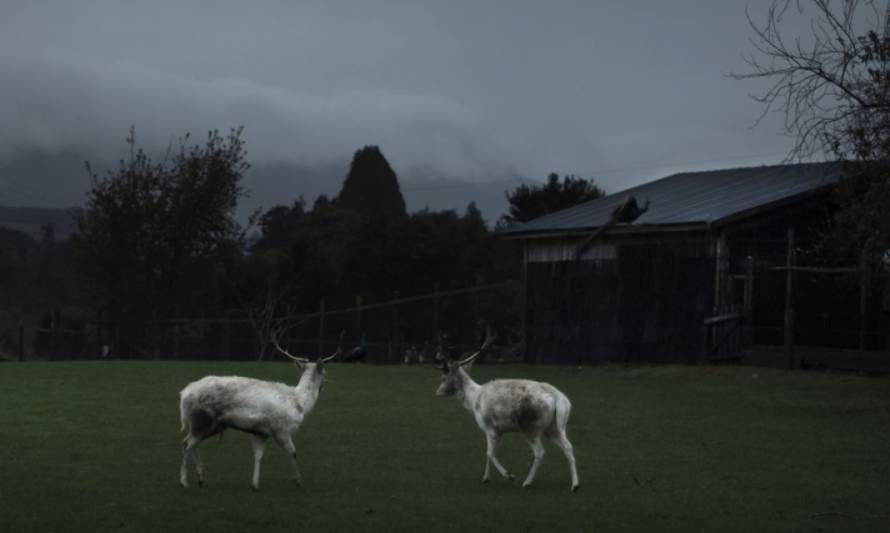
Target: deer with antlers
pixel 262 408
pixel 509 405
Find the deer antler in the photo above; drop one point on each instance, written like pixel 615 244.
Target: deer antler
pixel 489 339
pixel 274 336
pixel 339 349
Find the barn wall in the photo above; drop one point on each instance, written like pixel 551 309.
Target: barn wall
pixel 630 299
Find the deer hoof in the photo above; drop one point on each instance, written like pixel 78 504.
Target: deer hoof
pixel 575 488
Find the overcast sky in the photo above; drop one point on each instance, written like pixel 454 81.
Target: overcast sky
pixel 623 91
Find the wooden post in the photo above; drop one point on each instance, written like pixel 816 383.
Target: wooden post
pixel 436 332
pixel 748 303
pixel 705 354
pixel 176 340
pixel 21 341
pixel 116 339
pixel 154 327
pixel 358 318
pixel 791 356
pixel 397 352
pixel 720 267
pixel 321 328
pixel 523 304
pixel 228 340
pixel 53 335
pixel 863 300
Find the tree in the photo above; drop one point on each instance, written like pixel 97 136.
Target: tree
pixel 833 87
pixel 151 236
pixel 371 186
pixel 277 224
pixel 528 202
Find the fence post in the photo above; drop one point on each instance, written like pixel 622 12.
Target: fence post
pixel 748 302
pixel 523 306
pixel 116 339
pixel 436 332
pixel 705 353
pixel 863 300
pixel 358 318
pixel 395 329
pixel 54 341
pixel 719 263
pixel 792 357
pixel 176 340
pixel 321 328
pixel 228 340
pixel 21 341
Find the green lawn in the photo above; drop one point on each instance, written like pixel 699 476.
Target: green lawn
pixel 95 446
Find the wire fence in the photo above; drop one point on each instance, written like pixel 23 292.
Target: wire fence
pixel 403 329
pixel 799 295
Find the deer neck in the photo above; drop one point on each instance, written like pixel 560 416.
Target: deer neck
pixel 308 389
pixel 468 390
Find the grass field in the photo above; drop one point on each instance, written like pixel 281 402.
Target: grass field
pixel 95 446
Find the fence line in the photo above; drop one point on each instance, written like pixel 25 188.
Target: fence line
pixel 391 327
pixel 795 320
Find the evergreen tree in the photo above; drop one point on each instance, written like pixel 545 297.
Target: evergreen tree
pixel 372 186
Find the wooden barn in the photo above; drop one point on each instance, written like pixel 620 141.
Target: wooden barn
pixel 689 278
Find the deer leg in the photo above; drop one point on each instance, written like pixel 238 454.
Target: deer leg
pixel 287 444
pixel 259 444
pixel 492 442
pixel 199 466
pixel 487 475
pixel 538 450
pixel 561 440
pixel 188 445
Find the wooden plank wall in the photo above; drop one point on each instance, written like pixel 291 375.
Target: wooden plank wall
pixel 636 300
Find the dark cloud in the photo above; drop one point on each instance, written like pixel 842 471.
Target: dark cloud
pixel 481 91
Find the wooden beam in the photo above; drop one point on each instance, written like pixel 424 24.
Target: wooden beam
pixel 863 300
pixel 748 303
pixel 791 356
pixel 721 318
pixel 818 270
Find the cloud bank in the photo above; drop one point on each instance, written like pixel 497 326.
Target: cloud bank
pixel 52 103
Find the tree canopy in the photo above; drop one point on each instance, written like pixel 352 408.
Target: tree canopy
pixel 533 201
pixel 371 186
pixel 151 233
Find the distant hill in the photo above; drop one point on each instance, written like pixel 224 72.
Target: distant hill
pixel 32 220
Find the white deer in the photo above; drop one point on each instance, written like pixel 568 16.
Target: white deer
pixel 262 408
pixel 507 405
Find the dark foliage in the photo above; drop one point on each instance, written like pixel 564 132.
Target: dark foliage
pixel 371 186
pixel 528 202
pixel 35 275
pixel 153 238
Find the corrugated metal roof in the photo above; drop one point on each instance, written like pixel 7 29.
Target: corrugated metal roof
pixel 694 197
